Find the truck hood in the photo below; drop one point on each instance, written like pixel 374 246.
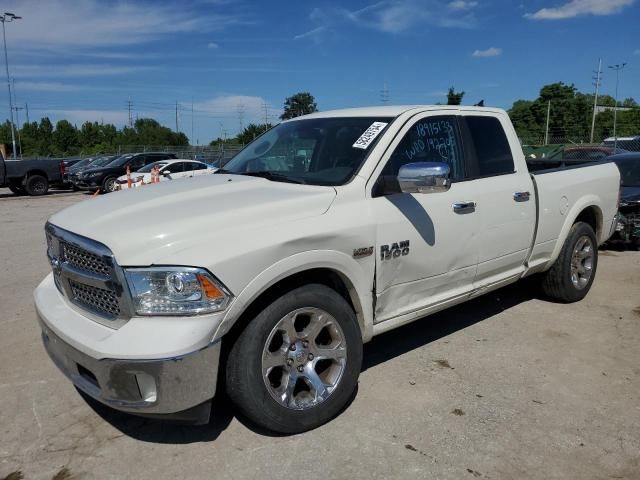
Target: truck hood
pixel 143 225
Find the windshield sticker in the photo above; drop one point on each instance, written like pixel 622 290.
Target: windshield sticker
pixel 369 135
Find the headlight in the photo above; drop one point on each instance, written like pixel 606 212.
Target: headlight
pixel 94 174
pixel 176 291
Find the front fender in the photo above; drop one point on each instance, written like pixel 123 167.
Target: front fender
pixel 358 276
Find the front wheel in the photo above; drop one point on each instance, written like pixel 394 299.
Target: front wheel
pixel 109 185
pixel 570 277
pixel 296 365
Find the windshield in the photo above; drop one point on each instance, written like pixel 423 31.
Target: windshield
pixel 81 163
pixel 319 151
pixel 629 171
pixel 120 161
pixel 102 161
pixel 148 168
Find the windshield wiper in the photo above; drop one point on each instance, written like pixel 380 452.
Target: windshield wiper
pixel 275 176
pixel 222 170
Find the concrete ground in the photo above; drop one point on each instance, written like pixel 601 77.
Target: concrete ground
pixel 507 386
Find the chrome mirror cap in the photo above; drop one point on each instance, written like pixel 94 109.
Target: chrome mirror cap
pixel 424 177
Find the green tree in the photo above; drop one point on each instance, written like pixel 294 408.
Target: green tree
pixel 251 132
pixel 65 138
pixel 453 97
pixel 301 103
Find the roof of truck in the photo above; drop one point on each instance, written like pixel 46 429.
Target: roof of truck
pixel 392 110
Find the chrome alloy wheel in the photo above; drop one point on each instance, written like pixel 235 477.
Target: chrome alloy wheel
pixel 304 358
pixel 582 262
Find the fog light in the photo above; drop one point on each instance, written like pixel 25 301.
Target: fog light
pixel 147 387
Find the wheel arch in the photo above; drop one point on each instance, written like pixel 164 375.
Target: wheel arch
pixel 33 172
pixel 589 211
pixel 333 269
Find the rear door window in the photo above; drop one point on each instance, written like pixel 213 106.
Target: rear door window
pixel 487 148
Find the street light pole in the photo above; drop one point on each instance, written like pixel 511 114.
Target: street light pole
pixel 617 68
pixel 9 17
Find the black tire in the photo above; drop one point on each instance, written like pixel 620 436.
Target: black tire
pixel 558 282
pixel 36 185
pixel 246 385
pixel 109 185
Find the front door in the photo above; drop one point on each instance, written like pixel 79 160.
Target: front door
pixel 427 247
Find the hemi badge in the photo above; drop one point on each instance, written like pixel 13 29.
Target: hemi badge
pixel 362 252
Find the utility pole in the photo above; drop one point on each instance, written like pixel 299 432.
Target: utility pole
pixel 16 108
pixel 546 130
pixel 192 137
pixel 241 117
pixel 26 108
pixel 618 68
pixel 266 116
pixel 129 108
pixel 8 18
pixel 597 80
pixel 176 116
pixel 384 93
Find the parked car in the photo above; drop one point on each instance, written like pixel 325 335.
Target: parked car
pixel 105 178
pixel 590 152
pixel 169 170
pixel 71 175
pixel 30 177
pixel 273 273
pixel 628 227
pixel 630 144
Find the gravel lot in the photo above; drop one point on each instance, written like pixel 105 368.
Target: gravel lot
pixel 507 386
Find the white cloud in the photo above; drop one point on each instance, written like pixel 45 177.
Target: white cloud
pixel 85 24
pixel 489 52
pixel 393 16
pixel 74 70
pixel 576 8
pixel 213 45
pixel 462 5
pixel 230 107
pixel 52 87
pixel 78 117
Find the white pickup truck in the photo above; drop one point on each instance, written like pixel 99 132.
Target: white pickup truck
pixel 269 276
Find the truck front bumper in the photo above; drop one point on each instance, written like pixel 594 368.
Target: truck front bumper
pixel 166 387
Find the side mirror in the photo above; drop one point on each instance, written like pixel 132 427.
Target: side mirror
pixel 166 173
pixel 424 177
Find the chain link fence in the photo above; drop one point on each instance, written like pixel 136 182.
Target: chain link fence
pixel 578 149
pixel 218 155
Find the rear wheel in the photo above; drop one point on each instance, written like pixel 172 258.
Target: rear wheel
pixel 36 185
pixel 296 365
pixel 571 276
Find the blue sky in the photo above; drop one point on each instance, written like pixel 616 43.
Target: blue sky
pixel 237 59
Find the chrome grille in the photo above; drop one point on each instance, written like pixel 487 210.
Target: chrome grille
pixel 82 259
pixel 104 301
pixel 87 275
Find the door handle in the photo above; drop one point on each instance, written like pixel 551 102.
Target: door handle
pixel 521 196
pixel 464 207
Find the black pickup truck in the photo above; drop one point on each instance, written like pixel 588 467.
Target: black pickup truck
pixel 30 177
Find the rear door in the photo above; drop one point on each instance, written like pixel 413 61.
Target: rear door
pixel 506 207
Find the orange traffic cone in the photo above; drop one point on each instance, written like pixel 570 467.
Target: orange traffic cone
pixel 128 177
